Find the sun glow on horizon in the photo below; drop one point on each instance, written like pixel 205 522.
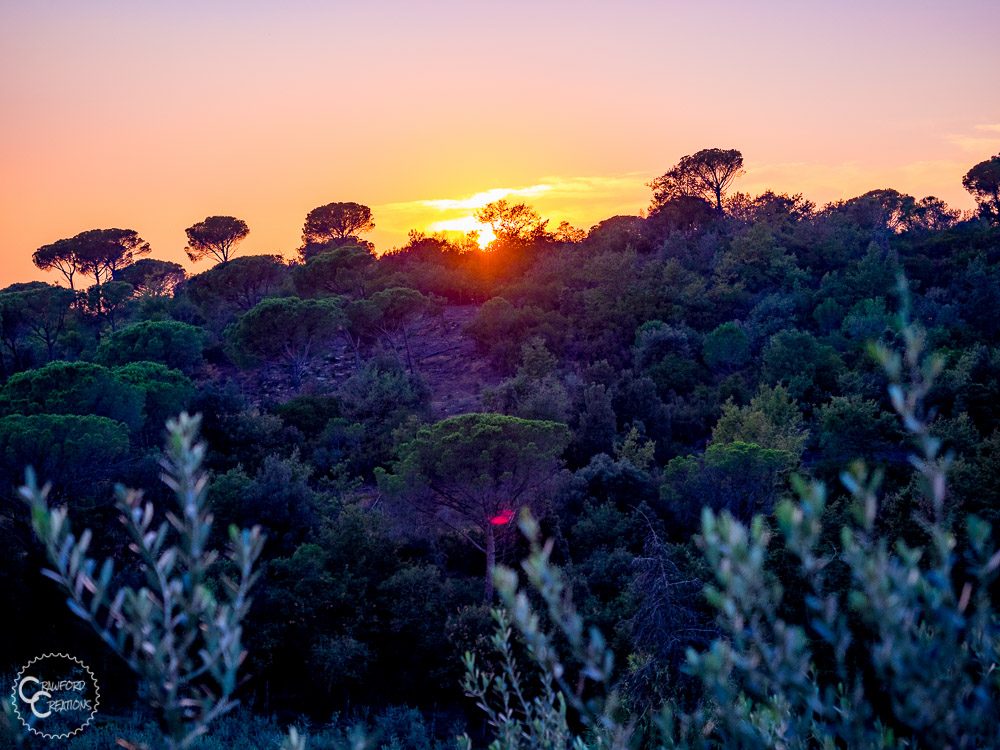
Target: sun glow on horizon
pixel 465 225
pixel 465 222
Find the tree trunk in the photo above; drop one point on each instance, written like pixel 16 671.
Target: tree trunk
pixel 409 356
pixel 491 560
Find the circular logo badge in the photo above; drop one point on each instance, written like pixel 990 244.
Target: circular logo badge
pixel 55 696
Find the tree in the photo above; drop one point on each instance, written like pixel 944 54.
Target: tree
pixel 932 214
pixel 34 310
pixel 617 232
pixel 361 317
pixel 742 478
pixel 150 277
pixel 181 632
pixel 756 261
pixel 14 328
pixel 102 252
pixel 706 174
pixel 568 234
pixel 108 302
pixel 888 210
pixel 983 181
pixel 175 344
pixel 772 420
pixel 44 308
pixel 71 450
pixel 852 428
pixel 215 236
pixel 473 472
pixel 378 399
pixel 72 388
pixel 726 348
pixel 235 286
pixel 777 210
pixel 500 329
pixel 682 213
pixel 288 329
pixel 97 252
pixel 336 221
pixel 347 269
pixel 807 367
pixel 536 391
pixel 165 392
pixel 59 256
pixel 517 223
pixel 400 309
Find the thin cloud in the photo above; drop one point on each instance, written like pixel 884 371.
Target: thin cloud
pixel 985 138
pixel 546 189
pixel 478 200
pixel 581 200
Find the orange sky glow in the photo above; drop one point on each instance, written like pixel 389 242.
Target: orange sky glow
pixel 153 115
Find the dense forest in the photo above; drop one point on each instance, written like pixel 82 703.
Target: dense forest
pixel 671 415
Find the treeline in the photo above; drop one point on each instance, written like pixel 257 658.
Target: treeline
pixel 697 356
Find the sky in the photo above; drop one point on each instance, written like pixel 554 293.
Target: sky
pixel 153 115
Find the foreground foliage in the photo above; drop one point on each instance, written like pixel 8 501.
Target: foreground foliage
pixel 887 644
pixel 181 637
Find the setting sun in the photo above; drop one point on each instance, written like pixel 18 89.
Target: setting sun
pixel 465 225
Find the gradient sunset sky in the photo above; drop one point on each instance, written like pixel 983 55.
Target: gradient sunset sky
pixel 153 115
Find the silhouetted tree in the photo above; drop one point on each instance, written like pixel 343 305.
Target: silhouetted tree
pixel 569 234
pixel 97 252
pixel 683 213
pixel 983 181
pixel 774 209
pixel 152 277
pixel 932 214
pixel 617 232
pixel 706 174
pixel 216 236
pixel 336 221
pixel 512 223
pixel 890 210
pixel 102 252
pixel 59 256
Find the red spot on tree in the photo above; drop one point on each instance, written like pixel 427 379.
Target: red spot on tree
pixel 502 518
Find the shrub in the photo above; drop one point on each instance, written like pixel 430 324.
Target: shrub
pixel 73 388
pixel 69 449
pixel 170 342
pixel 727 347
